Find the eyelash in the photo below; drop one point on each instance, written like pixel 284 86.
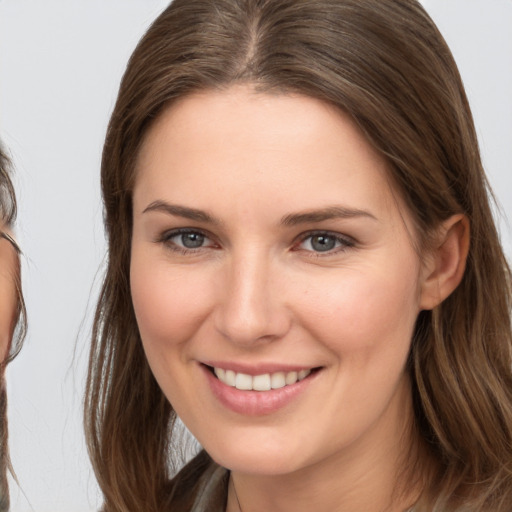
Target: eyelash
pixel 343 242
pixel 166 239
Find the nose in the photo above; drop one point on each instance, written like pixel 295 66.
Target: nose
pixel 251 309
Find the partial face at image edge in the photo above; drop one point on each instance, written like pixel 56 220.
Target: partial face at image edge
pixel 9 294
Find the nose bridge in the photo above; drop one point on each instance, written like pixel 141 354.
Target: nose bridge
pixel 250 309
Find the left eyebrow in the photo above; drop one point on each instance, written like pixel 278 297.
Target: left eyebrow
pixel 331 212
pixel 182 211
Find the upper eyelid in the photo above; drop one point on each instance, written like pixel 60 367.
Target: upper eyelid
pixel 169 233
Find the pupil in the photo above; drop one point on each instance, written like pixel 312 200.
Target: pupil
pixel 322 243
pixel 192 240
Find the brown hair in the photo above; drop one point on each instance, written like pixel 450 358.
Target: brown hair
pixel 385 63
pixel 7 218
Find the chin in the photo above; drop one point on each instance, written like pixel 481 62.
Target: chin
pixel 257 458
pixel 256 464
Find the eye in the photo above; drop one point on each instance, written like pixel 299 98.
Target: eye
pixel 185 240
pixel 189 240
pixel 325 242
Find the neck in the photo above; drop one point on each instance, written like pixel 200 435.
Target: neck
pixel 372 475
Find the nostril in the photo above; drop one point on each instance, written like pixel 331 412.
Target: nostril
pixel 245 325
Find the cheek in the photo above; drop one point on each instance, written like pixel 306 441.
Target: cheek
pixel 169 305
pixel 363 313
pixel 169 311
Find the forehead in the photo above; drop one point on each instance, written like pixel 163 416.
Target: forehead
pixel 286 148
pixel 251 117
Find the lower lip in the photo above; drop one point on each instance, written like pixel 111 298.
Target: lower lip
pixel 256 403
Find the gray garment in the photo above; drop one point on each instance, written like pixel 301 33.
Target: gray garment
pixel 213 496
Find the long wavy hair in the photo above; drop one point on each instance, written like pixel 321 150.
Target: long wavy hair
pixel 8 209
pixel 384 63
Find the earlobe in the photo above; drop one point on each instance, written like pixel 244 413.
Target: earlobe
pixel 445 265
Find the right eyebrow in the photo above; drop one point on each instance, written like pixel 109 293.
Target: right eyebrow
pixel 331 212
pixel 186 212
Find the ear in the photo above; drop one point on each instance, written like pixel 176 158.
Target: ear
pixel 444 266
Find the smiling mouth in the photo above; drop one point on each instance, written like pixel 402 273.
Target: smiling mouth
pixel 263 382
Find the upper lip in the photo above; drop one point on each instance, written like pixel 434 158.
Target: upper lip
pixel 257 368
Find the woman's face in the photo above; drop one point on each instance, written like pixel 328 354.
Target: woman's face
pixel 269 248
pixel 9 276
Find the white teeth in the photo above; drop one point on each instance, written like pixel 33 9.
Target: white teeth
pixel 243 381
pixel 278 380
pixel 291 378
pixel 221 373
pixel 264 382
pixel 303 374
pixel 230 378
pixel 261 382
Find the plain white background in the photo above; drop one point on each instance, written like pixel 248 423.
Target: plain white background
pixel 60 66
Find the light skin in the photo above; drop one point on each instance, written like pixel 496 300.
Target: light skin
pixel 9 276
pixel 304 255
